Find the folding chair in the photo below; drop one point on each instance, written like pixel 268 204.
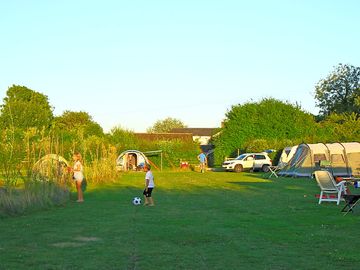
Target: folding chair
pixel 351 201
pixel 328 185
pixel 273 171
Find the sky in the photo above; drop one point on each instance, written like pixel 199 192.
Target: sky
pixel 131 63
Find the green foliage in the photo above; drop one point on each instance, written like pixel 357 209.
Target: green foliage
pixel 123 139
pixel 100 160
pixel 339 92
pixel 24 108
pixel 166 125
pixel 78 122
pixel 339 128
pixel 265 121
pixel 172 151
pixel 11 155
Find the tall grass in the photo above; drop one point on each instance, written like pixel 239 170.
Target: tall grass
pixel 23 188
pixel 29 183
pixel 101 167
pixel 35 195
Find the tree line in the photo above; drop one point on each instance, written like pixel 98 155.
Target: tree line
pixel 29 129
pixel 273 124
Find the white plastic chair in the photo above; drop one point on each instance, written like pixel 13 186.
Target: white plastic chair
pixel 329 186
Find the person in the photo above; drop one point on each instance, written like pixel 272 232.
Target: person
pixel 149 186
pixel 203 160
pixel 78 175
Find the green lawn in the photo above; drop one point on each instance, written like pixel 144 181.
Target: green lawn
pixel 200 221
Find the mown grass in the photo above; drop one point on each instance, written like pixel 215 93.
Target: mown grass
pixel 200 221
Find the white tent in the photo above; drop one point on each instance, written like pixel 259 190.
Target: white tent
pixel 131 160
pixel 343 159
pixel 287 154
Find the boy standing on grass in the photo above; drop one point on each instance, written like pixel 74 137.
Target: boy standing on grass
pixel 203 160
pixel 149 186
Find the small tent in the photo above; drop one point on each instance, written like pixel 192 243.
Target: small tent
pixel 131 160
pixel 344 159
pixel 51 167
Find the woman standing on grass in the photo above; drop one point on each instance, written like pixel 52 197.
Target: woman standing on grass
pixel 78 175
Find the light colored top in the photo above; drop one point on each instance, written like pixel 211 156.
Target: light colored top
pixel 78 171
pixel 202 158
pixel 149 176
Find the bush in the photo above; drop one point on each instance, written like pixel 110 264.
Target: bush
pixel 267 120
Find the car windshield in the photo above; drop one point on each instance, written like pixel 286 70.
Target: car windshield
pixel 241 157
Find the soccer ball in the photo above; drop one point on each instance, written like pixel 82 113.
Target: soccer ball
pixel 136 201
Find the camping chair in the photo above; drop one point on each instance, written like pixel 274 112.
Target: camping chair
pixel 351 201
pixel 329 186
pixel 275 169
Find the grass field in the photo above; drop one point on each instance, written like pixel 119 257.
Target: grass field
pixel 200 221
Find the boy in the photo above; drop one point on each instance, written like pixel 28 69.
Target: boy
pixel 203 160
pixel 149 186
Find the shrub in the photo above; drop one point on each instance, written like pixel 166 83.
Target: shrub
pixel 269 119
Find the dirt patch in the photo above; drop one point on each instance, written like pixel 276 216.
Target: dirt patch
pixel 68 244
pixel 78 242
pixel 87 239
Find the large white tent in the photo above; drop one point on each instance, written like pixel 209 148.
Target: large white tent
pixel 131 160
pixel 286 155
pixel 343 159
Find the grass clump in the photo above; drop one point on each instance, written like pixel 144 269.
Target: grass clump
pixel 34 195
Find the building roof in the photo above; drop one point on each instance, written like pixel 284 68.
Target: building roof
pixel 196 131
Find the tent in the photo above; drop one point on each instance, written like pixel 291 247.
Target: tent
pixel 51 167
pixel 131 160
pixel 287 154
pixel 343 159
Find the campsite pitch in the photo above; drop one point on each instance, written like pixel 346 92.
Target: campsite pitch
pixel 200 221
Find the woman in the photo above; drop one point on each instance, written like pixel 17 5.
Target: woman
pixel 78 175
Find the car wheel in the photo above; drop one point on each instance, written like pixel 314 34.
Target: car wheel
pixel 265 168
pixel 238 168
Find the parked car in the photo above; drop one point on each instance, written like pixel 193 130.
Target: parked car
pixel 248 161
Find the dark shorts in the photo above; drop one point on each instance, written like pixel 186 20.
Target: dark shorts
pixel 148 192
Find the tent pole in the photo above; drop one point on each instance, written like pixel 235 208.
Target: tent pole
pixel 346 161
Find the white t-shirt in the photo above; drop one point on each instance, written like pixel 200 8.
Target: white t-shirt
pixel 78 174
pixel 149 176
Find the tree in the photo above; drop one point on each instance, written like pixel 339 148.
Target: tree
pixel 270 119
pixel 123 139
pixel 164 126
pixel 24 108
pixel 78 121
pixel 343 127
pixel 340 91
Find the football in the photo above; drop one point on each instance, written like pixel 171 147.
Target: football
pixel 136 201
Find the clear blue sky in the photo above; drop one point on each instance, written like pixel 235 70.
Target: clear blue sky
pixel 133 62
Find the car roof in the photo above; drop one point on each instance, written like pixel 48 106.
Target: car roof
pixel 262 153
